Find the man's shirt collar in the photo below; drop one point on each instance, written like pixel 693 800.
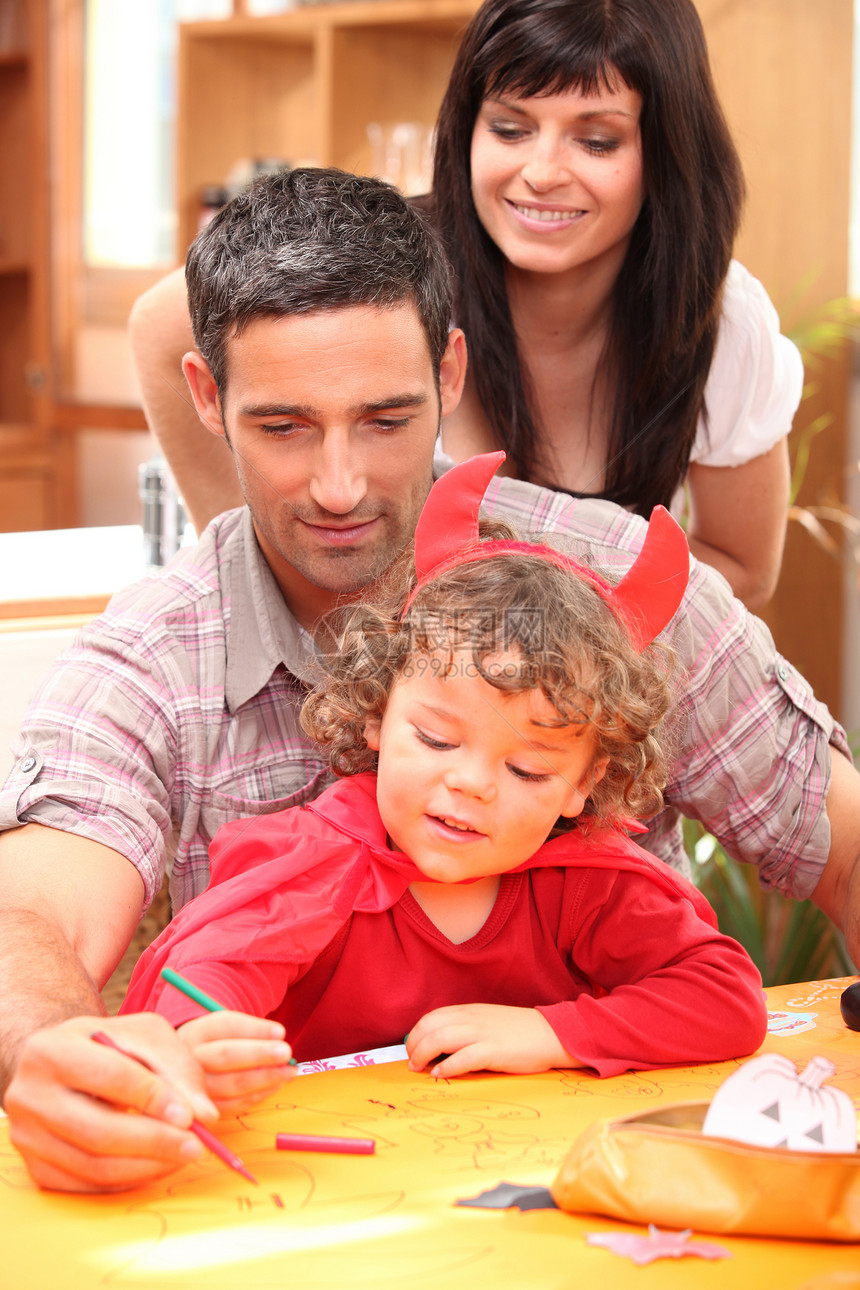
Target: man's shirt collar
pixel 263 634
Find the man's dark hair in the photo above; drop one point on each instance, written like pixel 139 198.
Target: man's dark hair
pixel 308 239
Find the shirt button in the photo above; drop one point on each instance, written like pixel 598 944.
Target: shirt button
pixel 28 764
pixel 782 672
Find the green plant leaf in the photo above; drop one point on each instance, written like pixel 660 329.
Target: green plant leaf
pixel 788 940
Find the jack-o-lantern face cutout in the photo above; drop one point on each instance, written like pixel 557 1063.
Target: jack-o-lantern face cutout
pixel 768 1104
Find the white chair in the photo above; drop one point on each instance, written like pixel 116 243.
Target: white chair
pixel 24 658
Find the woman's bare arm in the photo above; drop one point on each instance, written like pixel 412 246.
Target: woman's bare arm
pixel 838 890
pixel 202 464
pixel 737 522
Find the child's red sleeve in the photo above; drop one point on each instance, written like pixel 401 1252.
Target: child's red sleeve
pixel 669 988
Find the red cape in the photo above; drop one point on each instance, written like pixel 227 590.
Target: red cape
pixel 282 885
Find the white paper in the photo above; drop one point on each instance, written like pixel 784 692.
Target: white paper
pixel 373 1057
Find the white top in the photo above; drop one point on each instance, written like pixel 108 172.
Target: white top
pixel 756 378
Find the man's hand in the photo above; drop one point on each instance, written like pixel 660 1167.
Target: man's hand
pixel 69 1099
pixel 244 1058
pixel 485 1037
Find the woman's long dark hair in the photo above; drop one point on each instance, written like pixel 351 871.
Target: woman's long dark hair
pixel 667 299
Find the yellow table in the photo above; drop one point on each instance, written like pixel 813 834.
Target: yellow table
pixel 389 1220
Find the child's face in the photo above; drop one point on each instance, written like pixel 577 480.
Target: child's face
pixel 471 779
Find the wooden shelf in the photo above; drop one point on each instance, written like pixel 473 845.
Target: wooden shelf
pixel 303 86
pixel 33 470
pixel 71 417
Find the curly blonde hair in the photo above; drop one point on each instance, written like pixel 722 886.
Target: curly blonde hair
pixel 567 643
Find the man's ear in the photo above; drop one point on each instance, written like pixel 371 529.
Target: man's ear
pixel 371 733
pixel 452 371
pixel 204 392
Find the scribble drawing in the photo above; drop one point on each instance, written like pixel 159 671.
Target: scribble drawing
pixel 12 1171
pixel 635 1084
pixel 476 1134
pixel 817 991
pixel 204 1188
pixel 201 1233
pixel 445 1123
pixel 217 1246
pixel 460 1132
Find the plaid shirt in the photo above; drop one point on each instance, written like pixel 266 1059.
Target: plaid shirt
pixel 177 710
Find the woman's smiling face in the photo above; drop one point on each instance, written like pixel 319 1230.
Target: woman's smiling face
pixel 558 180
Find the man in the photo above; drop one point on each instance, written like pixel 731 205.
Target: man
pixel 320 307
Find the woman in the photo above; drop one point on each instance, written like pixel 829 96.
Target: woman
pixel 589 195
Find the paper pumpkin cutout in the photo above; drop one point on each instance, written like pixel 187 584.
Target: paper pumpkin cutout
pixel 767 1103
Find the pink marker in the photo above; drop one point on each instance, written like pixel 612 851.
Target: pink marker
pixel 313 1142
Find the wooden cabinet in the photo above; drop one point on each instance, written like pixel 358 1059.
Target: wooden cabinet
pixel 33 460
pixel 302 86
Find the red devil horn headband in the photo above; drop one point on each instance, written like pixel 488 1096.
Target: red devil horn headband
pixel 446 536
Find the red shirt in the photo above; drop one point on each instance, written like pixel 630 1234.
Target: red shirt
pixel 308 919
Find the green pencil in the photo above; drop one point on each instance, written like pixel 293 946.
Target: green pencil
pixel 199 996
pixel 205 1000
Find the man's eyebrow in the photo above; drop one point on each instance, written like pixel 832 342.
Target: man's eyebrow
pixel 413 400
pixel 278 410
pixel 309 412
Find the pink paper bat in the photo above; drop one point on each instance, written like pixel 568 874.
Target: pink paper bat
pixel 656 1245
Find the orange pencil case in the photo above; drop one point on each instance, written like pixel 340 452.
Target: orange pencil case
pixel 659 1168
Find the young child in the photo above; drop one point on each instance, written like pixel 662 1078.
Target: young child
pixel 469 879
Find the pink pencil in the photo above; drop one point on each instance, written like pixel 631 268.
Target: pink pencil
pixel 205 1135
pixel 313 1142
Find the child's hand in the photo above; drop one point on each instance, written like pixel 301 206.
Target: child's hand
pixel 244 1058
pixel 485 1037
